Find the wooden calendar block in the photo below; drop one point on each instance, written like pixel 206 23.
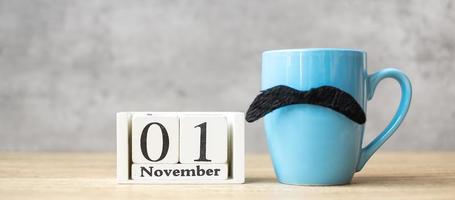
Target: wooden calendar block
pixel 220 133
pixel 179 172
pixel 203 139
pixel 155 138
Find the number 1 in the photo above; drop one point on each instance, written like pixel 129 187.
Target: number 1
pixel 203 143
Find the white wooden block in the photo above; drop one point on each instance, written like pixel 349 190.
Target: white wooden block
pixel 155 138
pixel 236 149
pixel 237 133
pixel 179 172
pixel 123 149
pixel 199 133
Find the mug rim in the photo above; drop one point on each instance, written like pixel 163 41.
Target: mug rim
pixel 314 49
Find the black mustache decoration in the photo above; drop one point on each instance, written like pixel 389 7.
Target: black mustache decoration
pixel 326 96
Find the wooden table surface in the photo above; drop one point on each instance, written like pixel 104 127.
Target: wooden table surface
pixel 418 175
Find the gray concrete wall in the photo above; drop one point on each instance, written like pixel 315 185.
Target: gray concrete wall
pixel 67 66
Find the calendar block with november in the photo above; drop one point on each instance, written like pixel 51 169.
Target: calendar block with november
pixel 180 147
pixel 178 172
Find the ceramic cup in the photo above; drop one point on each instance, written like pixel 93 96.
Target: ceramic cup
pixel 314 145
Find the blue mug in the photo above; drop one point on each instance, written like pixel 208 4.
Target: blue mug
pixel 314 145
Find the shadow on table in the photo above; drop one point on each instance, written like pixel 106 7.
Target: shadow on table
pixel 260 180
pixel 401 180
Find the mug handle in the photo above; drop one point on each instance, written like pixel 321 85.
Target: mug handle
pixel 406 94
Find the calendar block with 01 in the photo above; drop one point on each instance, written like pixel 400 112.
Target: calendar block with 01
pixel 180 147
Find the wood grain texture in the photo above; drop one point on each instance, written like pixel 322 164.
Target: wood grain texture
pixel 390 175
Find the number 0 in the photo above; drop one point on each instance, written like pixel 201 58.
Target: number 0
pixel 144 142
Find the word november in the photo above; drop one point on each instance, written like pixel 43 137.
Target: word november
pixel 179 171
